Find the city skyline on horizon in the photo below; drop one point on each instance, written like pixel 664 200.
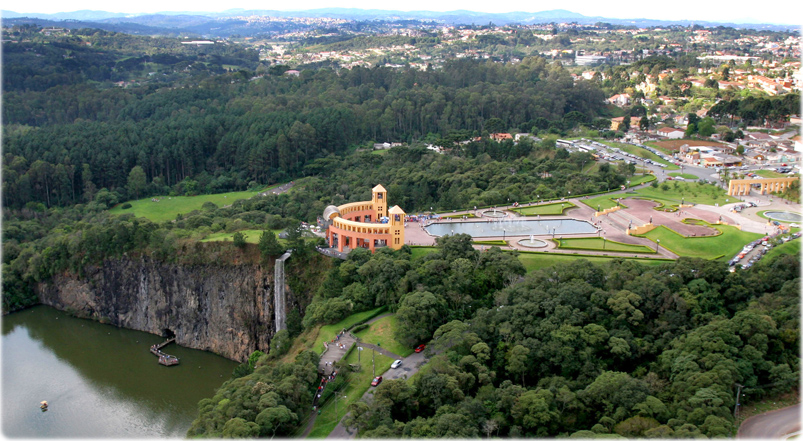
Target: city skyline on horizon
pixel 622 10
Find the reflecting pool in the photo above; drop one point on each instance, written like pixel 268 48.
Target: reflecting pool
pixel 513 227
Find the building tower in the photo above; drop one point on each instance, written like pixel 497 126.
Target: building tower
pixel 396 227
pixel 379 199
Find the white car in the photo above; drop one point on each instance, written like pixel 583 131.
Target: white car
pixel 396 364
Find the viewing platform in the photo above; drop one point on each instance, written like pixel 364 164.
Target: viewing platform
pixel 165 359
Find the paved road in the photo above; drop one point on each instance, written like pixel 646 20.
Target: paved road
pixel 772 425
pixel 410 365
pixel 279 190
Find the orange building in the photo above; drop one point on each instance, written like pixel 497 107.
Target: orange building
pixel 367 224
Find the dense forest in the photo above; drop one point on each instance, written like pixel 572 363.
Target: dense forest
pixel 580 349
pixel 39 241
pixel 229 130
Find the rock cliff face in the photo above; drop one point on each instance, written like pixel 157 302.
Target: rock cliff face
pixel 227 310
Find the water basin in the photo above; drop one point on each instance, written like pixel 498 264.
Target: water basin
pixel 784 216
pixel 512 227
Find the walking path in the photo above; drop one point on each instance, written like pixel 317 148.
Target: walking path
pixel 335 352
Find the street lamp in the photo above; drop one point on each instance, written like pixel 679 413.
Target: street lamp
pixel 657 244
pixel 504 232
pixel 337 416
pixel 598 208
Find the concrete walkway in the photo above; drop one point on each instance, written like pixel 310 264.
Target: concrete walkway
pixel 335 353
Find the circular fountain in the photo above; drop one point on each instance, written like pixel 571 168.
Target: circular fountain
pixel 532 242
pixel 784 216
pixel 495 214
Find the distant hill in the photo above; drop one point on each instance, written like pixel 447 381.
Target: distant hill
pixel 226 23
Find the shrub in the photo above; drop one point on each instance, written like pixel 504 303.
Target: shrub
pixel 361 327
pixel 126 206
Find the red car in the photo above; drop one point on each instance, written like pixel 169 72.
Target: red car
pixel 420 348
pixel 376 381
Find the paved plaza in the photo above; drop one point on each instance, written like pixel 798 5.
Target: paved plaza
pixel 613 226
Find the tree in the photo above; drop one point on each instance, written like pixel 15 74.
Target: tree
pixel 268 245
pixel 418 316
pixel 239 240
pixel 136 181
pixel 275 419
pixel 517 361
pixel 240 428
pixel 625 126
pixel 644 123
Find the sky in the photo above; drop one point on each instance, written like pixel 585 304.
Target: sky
pixel 739 11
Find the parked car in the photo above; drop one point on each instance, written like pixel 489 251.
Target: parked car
pixel 420 348
pixel 396 364
pixel 376 381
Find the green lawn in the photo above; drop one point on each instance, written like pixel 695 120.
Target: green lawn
pixel 169 206
pixel 641 153
pixel 792 247
pixel 498 243
pixel 689 192
pixel 605 201
pixel 358 383
pixel 535 261
pixel 420 251
pixel 769 174
pixel 724 245
pixel 251 236
pixel 555 208
pixel 457 216
pixel 328 332
pixel 638 180
pixel 686 176
pixel 600 244
pixel 381 332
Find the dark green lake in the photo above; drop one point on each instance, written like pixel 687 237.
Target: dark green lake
pixel 99 380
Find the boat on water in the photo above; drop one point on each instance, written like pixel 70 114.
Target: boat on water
pixel 43 405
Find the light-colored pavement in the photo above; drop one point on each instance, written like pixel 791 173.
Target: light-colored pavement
pixel 771 425
pixel 410 365
pixel 279 190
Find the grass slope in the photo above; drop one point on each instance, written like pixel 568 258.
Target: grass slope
pixel 535 261
pixel 724 245
pixel 556 208
pixel 169 206
pixel 600 244
pixel 328 332
pixel 670 194
pixel 381 332
pixel 791 247
pixel 354 389
pixel 251 236
pixel 642 153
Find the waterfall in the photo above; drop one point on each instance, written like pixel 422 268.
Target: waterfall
pixel 278 295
